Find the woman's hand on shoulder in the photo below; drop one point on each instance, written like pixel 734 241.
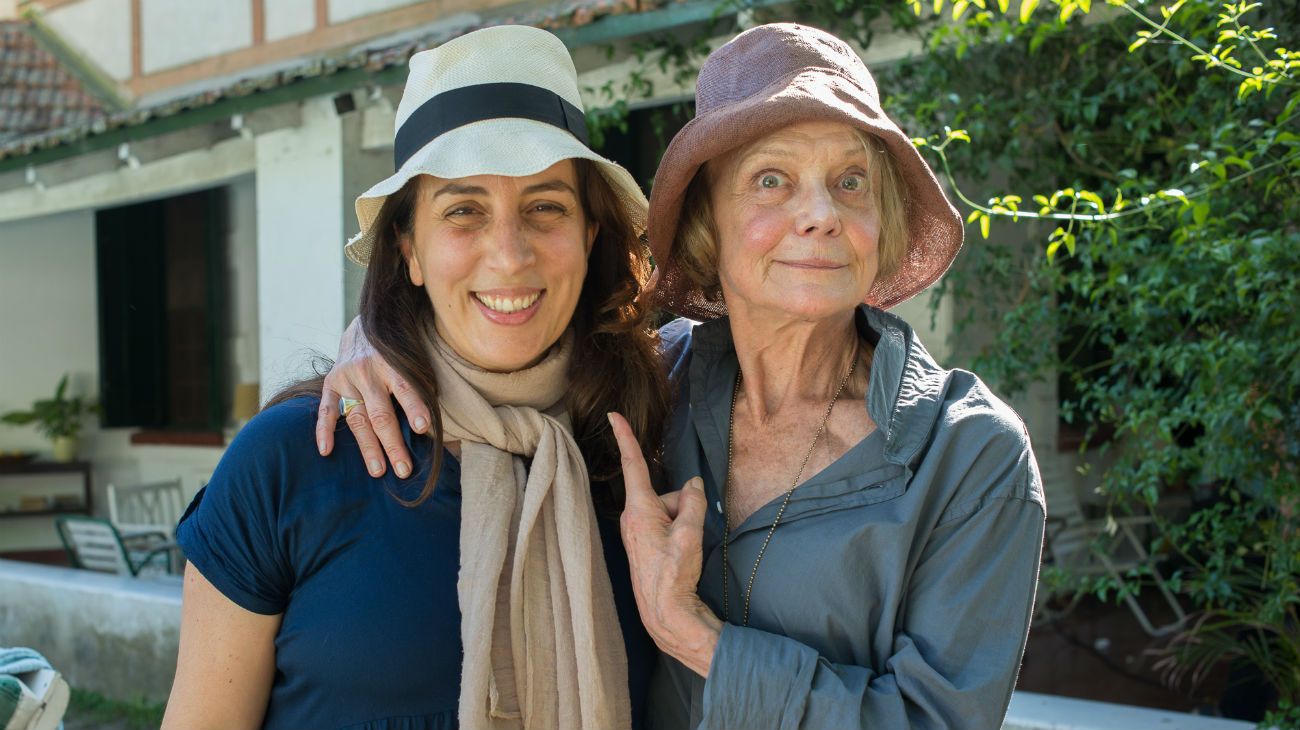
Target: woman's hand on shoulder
pixel 663 537
pixel 362 374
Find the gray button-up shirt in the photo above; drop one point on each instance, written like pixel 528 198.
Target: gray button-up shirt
pixel 897 590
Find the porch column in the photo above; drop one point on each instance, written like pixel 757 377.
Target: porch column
pixel 300 236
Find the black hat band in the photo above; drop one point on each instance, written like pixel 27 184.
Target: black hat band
pixel 468 104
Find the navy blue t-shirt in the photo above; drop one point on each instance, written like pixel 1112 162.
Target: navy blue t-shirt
pixel 370 634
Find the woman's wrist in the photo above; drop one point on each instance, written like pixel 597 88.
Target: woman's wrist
pixel 695 638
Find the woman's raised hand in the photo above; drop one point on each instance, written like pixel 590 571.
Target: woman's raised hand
pixel 663 537
pixel 360 373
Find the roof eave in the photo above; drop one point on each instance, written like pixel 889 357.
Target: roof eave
pixel 602 30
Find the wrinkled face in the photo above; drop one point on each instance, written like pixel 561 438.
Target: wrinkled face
pixel 503 260
pixel 798 224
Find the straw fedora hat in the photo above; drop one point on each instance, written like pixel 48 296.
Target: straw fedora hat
pixel 767 78
pixel 498 101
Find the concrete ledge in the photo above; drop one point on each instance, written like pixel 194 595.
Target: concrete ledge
pixel 108 634
pixel 118 637
pixel 1030 711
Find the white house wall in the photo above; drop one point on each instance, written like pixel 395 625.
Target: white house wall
pixel 362 168
pixel 99 29
pixel 182 33
pixel 49 324
pixel 243 345
pixel 285 18
pixel 48 314
pixel 49 321
pixel 300 232
pixel 340 10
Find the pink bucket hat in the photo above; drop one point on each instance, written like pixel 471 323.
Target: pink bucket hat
pixel 768 78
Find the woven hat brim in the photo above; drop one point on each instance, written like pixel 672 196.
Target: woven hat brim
pixel 935 230
pixel 510 147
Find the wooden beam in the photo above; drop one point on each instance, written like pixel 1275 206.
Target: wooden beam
pixel 259 22
pixel 137 40
pixel 322 13
pixel 332 37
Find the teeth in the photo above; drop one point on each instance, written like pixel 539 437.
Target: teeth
pixel 506 305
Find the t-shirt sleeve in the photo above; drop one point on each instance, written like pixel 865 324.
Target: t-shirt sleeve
pixel 232 532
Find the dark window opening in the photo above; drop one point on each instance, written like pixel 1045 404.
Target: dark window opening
pixel 649 130
pixel 162 282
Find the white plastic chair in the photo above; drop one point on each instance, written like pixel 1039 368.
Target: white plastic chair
pixel 95 544
pixel 146 508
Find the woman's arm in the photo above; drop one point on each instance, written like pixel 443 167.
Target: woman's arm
pixel 361 373
pixel 957 646
pixel 955 655
pixel 226 661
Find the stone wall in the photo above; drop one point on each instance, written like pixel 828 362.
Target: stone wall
pixel 112 635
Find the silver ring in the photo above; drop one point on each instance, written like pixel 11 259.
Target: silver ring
pixel 347 404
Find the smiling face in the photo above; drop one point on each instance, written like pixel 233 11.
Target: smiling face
pixel 503 261
pixel 797 218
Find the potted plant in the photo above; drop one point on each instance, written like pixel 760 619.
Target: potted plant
pixel 59 418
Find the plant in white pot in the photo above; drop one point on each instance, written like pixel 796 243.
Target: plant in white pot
pixel 59 418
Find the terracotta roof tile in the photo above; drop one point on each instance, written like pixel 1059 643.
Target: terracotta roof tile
pixel 36 93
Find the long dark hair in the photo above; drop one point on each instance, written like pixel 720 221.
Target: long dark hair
pixel 615 365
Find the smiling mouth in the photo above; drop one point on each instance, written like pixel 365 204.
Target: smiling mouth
pixel 507 305
pixel 813 264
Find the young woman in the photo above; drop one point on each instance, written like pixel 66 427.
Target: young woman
pixel 481 590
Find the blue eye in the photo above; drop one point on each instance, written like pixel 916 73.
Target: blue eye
pixel 769 181
pixel 852 183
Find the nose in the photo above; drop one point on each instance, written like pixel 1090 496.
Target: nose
pixel 817 212
pixel 509 249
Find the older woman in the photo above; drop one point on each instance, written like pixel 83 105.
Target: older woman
pixel 870 544
pixel 858 541
pixel 503 261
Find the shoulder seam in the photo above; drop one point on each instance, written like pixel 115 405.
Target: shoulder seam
pixel 1020 493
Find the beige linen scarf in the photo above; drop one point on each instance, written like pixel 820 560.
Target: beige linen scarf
pixel 543 649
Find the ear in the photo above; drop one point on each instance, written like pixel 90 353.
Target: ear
pixel 413 270
pixel 593 229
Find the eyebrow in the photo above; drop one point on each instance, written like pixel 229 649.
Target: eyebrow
pixel 773 150
pixel 551 186
pixel 458 189
pixel 542 187
pixel 778 150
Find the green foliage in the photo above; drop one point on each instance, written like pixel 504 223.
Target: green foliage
pixel 54 417
pixel 89 709
pixel 1152 156
pixel 1164 293
pixel 1168 166
pixel 676 57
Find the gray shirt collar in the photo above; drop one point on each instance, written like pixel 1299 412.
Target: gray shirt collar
pixel 903 398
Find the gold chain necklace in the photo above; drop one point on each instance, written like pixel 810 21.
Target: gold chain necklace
pixel 726 496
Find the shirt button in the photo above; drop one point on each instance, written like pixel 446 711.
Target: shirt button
pixel 718 505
